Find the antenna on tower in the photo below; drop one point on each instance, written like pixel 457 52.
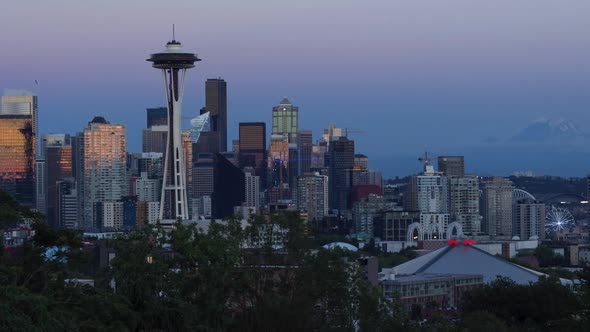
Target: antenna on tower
pixel 173 32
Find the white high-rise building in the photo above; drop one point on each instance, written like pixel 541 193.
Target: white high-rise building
pixel 464 203
pixel 429 192
pixel 105 159
pixel 429 196
pixel 312 195
pixel 252 189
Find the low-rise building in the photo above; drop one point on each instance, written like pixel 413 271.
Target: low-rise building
pixel 444 290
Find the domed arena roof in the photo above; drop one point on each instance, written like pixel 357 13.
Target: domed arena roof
pixel 341 245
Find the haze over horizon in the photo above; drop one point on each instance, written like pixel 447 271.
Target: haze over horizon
pixel 446 77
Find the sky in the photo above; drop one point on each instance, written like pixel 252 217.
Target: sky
pixel 412 75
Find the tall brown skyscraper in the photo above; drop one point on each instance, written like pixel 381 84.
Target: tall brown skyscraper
pixel 216 105
pixel 252 148
pixel 18 145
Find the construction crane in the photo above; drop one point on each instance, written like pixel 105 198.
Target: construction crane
pixel 426 159
pixel 352 131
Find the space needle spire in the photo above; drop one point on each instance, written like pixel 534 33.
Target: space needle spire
pixel 173 63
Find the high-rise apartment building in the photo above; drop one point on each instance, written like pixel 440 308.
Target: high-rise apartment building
pixel 157 116
pixel 252 189
pixel 529 219
pixel 464 203
pixel 497 207
pixel 216 105
pixel 451 166
pixel 341 158
pixel 18 145
pixel 429 192
pixel 104 166
pixel 312 195
pixel 285 120
pixel 252 147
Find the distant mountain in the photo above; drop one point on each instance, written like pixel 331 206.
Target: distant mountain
pixel 557 132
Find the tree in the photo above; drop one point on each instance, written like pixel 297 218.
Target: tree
pixel 524 305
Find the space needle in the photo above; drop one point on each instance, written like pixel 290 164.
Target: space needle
pixel 174 62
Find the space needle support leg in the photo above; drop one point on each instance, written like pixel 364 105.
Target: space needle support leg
pixel 163 196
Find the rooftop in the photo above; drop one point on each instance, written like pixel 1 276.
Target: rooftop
pixel 467 259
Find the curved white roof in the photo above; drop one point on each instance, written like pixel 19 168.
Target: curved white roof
pixel 341 245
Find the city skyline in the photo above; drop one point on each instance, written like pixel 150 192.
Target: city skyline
pixel 494 68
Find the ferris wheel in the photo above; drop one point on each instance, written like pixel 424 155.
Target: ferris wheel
pixel 558 218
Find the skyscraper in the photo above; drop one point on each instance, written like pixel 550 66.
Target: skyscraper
pixel 305 148
pixel 228 187
pixel 104 165
pixel 216 105
pixel 278 163
pixel 451 165
pixel 157 117
pixel 252 147
pixel 428 194
pixel 285 119
pixel 174 62
pixel 497 204
pixel 252 189
pixel 312 195
pixel 58 165
pixel 18 145
pixel 341 160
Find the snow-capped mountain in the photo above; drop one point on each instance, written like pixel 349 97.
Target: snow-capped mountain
pixel 550 131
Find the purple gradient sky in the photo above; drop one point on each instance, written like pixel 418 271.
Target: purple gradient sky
pixel 407 72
